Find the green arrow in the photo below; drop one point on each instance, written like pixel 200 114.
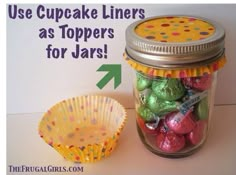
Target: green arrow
pixel 114 70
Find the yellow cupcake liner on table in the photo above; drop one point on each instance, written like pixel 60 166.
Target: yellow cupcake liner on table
pixel 83 129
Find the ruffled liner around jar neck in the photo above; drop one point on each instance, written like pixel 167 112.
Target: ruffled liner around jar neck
pixel 177 73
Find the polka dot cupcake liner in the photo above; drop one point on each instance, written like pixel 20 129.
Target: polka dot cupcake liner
pixel 175 29
pixel 83 129
pixel 177 73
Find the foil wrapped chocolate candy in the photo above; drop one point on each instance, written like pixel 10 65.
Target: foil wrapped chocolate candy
pixel 196 135
pixel 179 123
pixel 143 95
pixel 199 83
pixel 169 89
pixel 148 128
pixel 153 124
pixel 168 141
pixel 142 82
pixel 201 110
pixel 159 106
pixel 146 114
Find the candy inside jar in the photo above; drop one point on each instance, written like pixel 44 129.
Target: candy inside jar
pixel 174 87
pixel 172 113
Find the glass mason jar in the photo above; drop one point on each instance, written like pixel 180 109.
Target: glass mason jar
pixel 176 59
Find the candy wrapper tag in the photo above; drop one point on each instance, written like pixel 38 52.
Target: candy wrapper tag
pixel 186 106
pixel 189 94
pixel 179 116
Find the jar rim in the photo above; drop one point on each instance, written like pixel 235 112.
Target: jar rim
pixel 176 72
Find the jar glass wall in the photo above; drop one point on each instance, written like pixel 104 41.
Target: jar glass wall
pixel 173 114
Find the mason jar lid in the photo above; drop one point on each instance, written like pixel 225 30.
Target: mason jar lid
pixel 175 42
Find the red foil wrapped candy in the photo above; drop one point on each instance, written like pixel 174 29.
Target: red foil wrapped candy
pixel 168 141
pixel 199 83
pixel 144 127
pixel 196 135
pixel 179 123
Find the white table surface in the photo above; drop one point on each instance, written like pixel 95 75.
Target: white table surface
pixel 217 157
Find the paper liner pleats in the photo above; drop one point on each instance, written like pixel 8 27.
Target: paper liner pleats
pixel 177 73
pixel 83 129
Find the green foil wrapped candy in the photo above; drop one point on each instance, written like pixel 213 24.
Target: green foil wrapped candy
pixel 201 109
pixel 143 95
pixel 159 106
pixel 142 82
pixel 146 114
pixel 168 89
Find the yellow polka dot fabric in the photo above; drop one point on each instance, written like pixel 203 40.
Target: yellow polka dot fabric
pixel 175 29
